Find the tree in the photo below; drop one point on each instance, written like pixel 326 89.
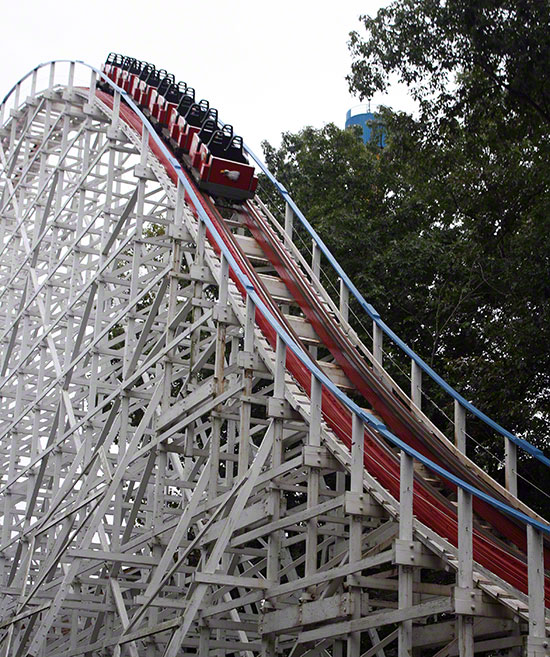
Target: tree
pixel 457 55
pixel 446 231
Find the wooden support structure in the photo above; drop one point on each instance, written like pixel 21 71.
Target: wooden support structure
pixel 168 486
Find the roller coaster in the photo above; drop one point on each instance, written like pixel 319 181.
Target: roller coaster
pixel 200 455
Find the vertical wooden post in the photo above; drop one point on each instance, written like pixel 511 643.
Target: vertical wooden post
pixel 405 591
pixel 70 81
pixel 91 93
pixel 460 427
pixel 316 260
pixel 198 286
pixel 344 301
pixel 33 83
pixel 52 76
pixel 314 439
pixel 116 113
pixel 289 223
pixel 246 406
pixel 17 95
pixel 204 641
pixel 355 529
pixel 377 341
pixel 465 570
pixel 510 466
pixel 416 384
pixel 535 582
pixel 219 383
pixel 274 541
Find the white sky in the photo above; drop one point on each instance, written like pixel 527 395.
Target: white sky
pixel 268 67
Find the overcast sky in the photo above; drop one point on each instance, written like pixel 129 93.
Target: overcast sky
pixel 268 67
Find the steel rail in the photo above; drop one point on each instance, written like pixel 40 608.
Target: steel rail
pixel 281 332
pixel 375 317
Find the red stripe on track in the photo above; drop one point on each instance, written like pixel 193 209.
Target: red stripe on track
pixel 379 461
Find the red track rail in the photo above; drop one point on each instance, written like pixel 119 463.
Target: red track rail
pixel 380 462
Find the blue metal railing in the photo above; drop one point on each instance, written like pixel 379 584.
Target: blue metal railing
pixel 369 419
pixel 375 317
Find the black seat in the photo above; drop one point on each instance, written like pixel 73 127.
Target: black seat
pixel 219 141
pixel 115 59
pixel 210 118
pixel 234 150
pixel 127 63
pixel 197 113
pixel 215 144
pixel 153 79
pixel 186 101
pixel 165 83
pixel 212 115
pixel 146 72
pixel 175 92
pixel 136 67
pixel 208 128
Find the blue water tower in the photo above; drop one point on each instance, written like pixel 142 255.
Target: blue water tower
pixel 371 124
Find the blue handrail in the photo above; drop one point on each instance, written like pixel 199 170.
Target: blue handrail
pixel 373 314
pixel 369 419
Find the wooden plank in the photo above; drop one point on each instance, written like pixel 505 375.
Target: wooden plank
pixel 220 579
pixel 296 616
pixel 437 606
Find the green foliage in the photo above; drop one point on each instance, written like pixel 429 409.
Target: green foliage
pixel 457 54
pixel 446 231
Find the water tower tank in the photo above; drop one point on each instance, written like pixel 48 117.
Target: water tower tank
pixel 370 123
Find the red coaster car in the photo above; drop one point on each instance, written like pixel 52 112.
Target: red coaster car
pixel 176 118
pixel 193 120
pixel 158 82
pixel 132 69
pixel 125 72
pixel 203 136
pixel 139 91
pixel 215 156
pixel 220 165
pixel 113 66
pixel 172 97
